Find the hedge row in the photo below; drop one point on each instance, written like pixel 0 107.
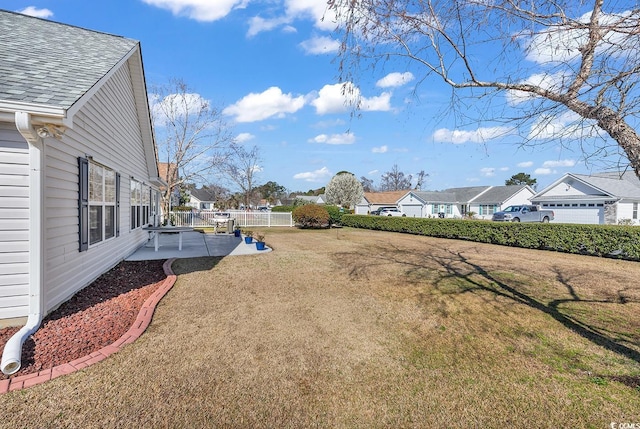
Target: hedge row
pixel 597 240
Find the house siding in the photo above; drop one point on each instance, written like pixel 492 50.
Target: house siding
pixel 14 222
pixel 107 130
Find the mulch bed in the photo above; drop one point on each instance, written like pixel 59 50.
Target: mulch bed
pixel 93 318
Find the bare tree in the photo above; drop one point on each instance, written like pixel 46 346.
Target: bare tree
pixel 344 190
pixel 395 180
pixel 420 179
pixel 190 133
pixel 570 64
pixel 367 184
pixel 240 166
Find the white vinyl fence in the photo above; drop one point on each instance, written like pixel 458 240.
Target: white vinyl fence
pixel 202 218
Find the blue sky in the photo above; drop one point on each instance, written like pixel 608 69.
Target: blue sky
pixel 271 64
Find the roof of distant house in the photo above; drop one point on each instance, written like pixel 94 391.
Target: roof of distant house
pixel 387 197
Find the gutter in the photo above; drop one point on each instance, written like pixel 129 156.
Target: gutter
pixel 11 357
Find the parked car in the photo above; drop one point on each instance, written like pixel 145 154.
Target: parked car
pixel 524 213
pixel 391 212
pixel 377 211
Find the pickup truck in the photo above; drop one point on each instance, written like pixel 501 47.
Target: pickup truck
pixel 523 213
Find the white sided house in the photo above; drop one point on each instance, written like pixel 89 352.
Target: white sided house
pixel 78 171
pixel 374 200
pixel 608 198
pixel 483 201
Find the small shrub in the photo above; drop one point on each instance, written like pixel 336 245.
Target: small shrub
pixel 260 237
pixel 247 232
pixel 311 216
pixel 335 214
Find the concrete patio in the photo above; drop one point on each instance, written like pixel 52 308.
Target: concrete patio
pixel 194 244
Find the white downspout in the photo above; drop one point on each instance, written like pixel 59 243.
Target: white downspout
pixel 11 357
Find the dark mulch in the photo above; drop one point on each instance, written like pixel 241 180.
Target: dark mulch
pixel 93 318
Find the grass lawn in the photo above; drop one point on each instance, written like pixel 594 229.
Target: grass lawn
pixel 361 329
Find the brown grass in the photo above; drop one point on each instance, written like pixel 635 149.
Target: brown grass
pixel 352 328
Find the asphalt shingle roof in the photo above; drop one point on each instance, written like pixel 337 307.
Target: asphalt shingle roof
pixel 627 185
pixel 499 194
pixel 48 63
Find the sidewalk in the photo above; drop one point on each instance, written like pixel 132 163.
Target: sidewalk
pixel 194 244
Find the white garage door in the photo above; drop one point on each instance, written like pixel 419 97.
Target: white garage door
pixel 585 215
pixel 412 210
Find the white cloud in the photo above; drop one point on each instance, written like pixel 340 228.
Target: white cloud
pixel 199 10
pixel 559 163
pixel 381 149
pixel 177 105
pixel 314 176
pixel 340 97
pixel 320 45
pixel 244 137
pixel 488 171
pixel 380 103
pixel 372 172
pixel 38 13
pixel 335 139
pixel 504 168
pixel 270 103
pixel 258 24
pixel 544 171
pixel 561 45
pixel 480 135
pixel 395 79
pixel 313 10
pixel 525 164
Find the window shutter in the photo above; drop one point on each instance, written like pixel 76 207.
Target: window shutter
pixel 117 204
pixel 83 203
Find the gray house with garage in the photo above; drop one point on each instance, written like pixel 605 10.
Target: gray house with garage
pixel 78 168
pixel 482 201
pixel 604 198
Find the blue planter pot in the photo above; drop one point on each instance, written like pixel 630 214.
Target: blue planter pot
pixel 260 245
pixel 248 240
pixel 236 233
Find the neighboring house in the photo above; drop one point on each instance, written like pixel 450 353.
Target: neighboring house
pixel 458 202
pixel 314 199
pixel 168 173
pixel 497 198
pixel 374 200
pixel 78 171
pixel 608 198
pixel 202 199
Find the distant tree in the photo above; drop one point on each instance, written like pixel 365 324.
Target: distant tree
pixel 420 179
pixel 190 133
pixel 521 179
pixel 271 191
pixel 395 180
pixel 240 166
pixel 367 184
pixel 344 190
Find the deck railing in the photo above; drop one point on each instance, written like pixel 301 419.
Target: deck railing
pixel 204 218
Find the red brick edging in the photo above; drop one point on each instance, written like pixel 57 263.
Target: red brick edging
pixel 135 331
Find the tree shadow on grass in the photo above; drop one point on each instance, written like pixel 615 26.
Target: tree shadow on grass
pixel 455 265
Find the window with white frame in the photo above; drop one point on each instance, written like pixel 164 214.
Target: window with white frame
pixel 98 203
pixel 635 211
pixel 487 209
pixel 140 204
